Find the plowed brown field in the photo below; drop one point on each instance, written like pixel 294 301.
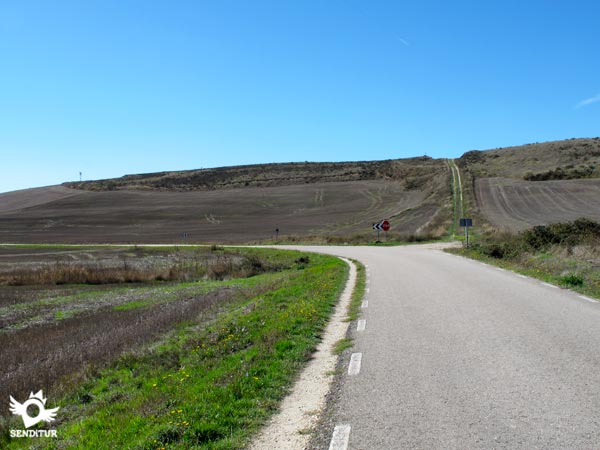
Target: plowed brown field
pixel 515 204
pixel 58 214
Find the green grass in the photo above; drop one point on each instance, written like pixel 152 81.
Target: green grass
pixel 565 254
pixel 153 293
pixel 207 387
pixel 358 293
pixel 342 345
pixel 61 315
pixel 393 242
pixel 535 268
pixel 133 305
pixel 456 207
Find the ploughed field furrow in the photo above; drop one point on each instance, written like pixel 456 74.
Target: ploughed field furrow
pixel 234 215
pixel 27 198
pixel 516 204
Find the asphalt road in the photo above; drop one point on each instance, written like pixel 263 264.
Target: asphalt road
pixel 461 355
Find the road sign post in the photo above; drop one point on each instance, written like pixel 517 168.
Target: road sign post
pixel 466 223
pixel 377 228
pixel 383 225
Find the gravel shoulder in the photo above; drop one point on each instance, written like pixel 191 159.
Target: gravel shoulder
pixel 291 427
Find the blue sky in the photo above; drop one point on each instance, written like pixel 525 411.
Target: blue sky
pixel 116 87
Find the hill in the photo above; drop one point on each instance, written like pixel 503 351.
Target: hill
pixel 236 204
pixel 410 172
pixel 509 189
pixel 517 187
pixel 567 159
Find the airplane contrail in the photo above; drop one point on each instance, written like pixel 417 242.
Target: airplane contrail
pixel 588 101
pixel 402 40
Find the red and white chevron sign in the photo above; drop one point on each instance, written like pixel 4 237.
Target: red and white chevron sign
pixel 383 225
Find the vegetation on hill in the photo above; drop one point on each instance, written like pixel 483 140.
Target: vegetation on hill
pixel 569 172
pixel 334 202
pixel 413 172
pixel 572 158
pixel 498 203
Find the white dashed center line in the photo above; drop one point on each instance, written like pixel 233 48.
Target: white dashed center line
pixel 365 304
pixel 354 367
pixel 340 438
pixel 362 323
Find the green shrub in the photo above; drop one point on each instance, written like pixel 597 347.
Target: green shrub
pixel 571 280
pixel 568 233
pixel 540 238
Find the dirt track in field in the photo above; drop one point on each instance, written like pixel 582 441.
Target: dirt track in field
pixel 515 204
pixel 58 214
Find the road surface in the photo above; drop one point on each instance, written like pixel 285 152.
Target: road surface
pixel 456 354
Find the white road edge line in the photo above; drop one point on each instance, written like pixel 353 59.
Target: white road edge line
pixel 549 285
pixel 365 304
pixel 362 324
pixel 587 299
pixel 340 438
pixel 521 276
pixel 354 366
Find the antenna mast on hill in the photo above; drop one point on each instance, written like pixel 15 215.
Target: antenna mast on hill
pixel 80 177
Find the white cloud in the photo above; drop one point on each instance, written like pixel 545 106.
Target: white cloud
pixel 588 101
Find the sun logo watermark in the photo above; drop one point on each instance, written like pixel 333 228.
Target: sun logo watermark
pixel 43 415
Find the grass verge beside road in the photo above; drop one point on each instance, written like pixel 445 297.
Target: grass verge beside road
pixel 207 386
pixel 358 293
pixel 564 254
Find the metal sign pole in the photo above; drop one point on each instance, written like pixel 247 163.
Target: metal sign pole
pixel 466 222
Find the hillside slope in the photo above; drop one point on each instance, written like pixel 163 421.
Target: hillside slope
pixel 575 158
pixel 516 187
pixel 516 205
pixel 411 172
pixel 216 205
pixel 508 189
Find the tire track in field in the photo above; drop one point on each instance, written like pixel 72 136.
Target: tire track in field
pixel 516 204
